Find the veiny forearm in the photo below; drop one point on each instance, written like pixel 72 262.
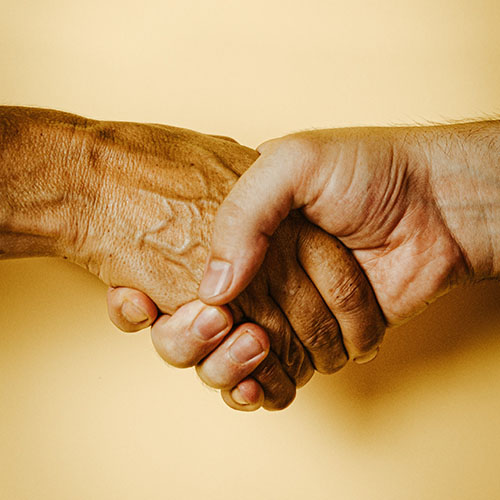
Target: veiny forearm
pixel 132 203
pixel 154 194
pixel 38 158
pixel 65 180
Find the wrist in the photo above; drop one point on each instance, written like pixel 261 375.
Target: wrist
pixel 41 154
pixel 463 163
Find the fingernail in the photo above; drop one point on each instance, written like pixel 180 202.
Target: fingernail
pixel 366 358
pixel 133 313
pixel 217 279
pixel 237 397
pixel 245 348
pixel 209 323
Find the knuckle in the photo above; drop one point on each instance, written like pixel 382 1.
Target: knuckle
pixel 170 352
pixel 322 336
pixel 266 373
pixel 261 312
pixel 360 318
pixel 305 374
pixel 279 391
pixel 351 294
pixel 297 364
pixel 325 346
pixel 289 350
pixel 279 402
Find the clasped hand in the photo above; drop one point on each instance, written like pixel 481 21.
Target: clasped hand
pixel 313 298
pixel 310 250
pixel 269 338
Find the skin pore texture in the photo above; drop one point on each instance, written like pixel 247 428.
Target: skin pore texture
pixel 135 204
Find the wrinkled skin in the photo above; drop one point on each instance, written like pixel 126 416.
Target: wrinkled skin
pixel 418 206
pixel 149 198
pixel 409 203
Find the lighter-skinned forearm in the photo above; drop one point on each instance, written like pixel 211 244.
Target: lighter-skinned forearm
pixel 464 162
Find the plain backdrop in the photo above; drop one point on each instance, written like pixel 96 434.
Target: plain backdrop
pixel 87 413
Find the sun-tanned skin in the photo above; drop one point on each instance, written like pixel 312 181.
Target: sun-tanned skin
pixel 135 203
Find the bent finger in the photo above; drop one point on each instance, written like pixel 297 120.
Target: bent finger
pixel 279 389
pixel 249 215
pixel 248 395
pixel 285 343
pixel 346 291
pixel 235 358
pixel 302 304
pixel 130 310
pixel 191 333
pixel 269 387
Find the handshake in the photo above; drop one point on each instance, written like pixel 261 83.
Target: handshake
pixel 256 269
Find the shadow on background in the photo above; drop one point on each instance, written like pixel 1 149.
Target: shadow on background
pixel 461 327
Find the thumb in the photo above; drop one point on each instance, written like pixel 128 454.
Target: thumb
pixel 258 202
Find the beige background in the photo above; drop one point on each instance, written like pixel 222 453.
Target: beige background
pixel 87 413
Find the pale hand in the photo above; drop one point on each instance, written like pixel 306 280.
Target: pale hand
pixel 418 207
